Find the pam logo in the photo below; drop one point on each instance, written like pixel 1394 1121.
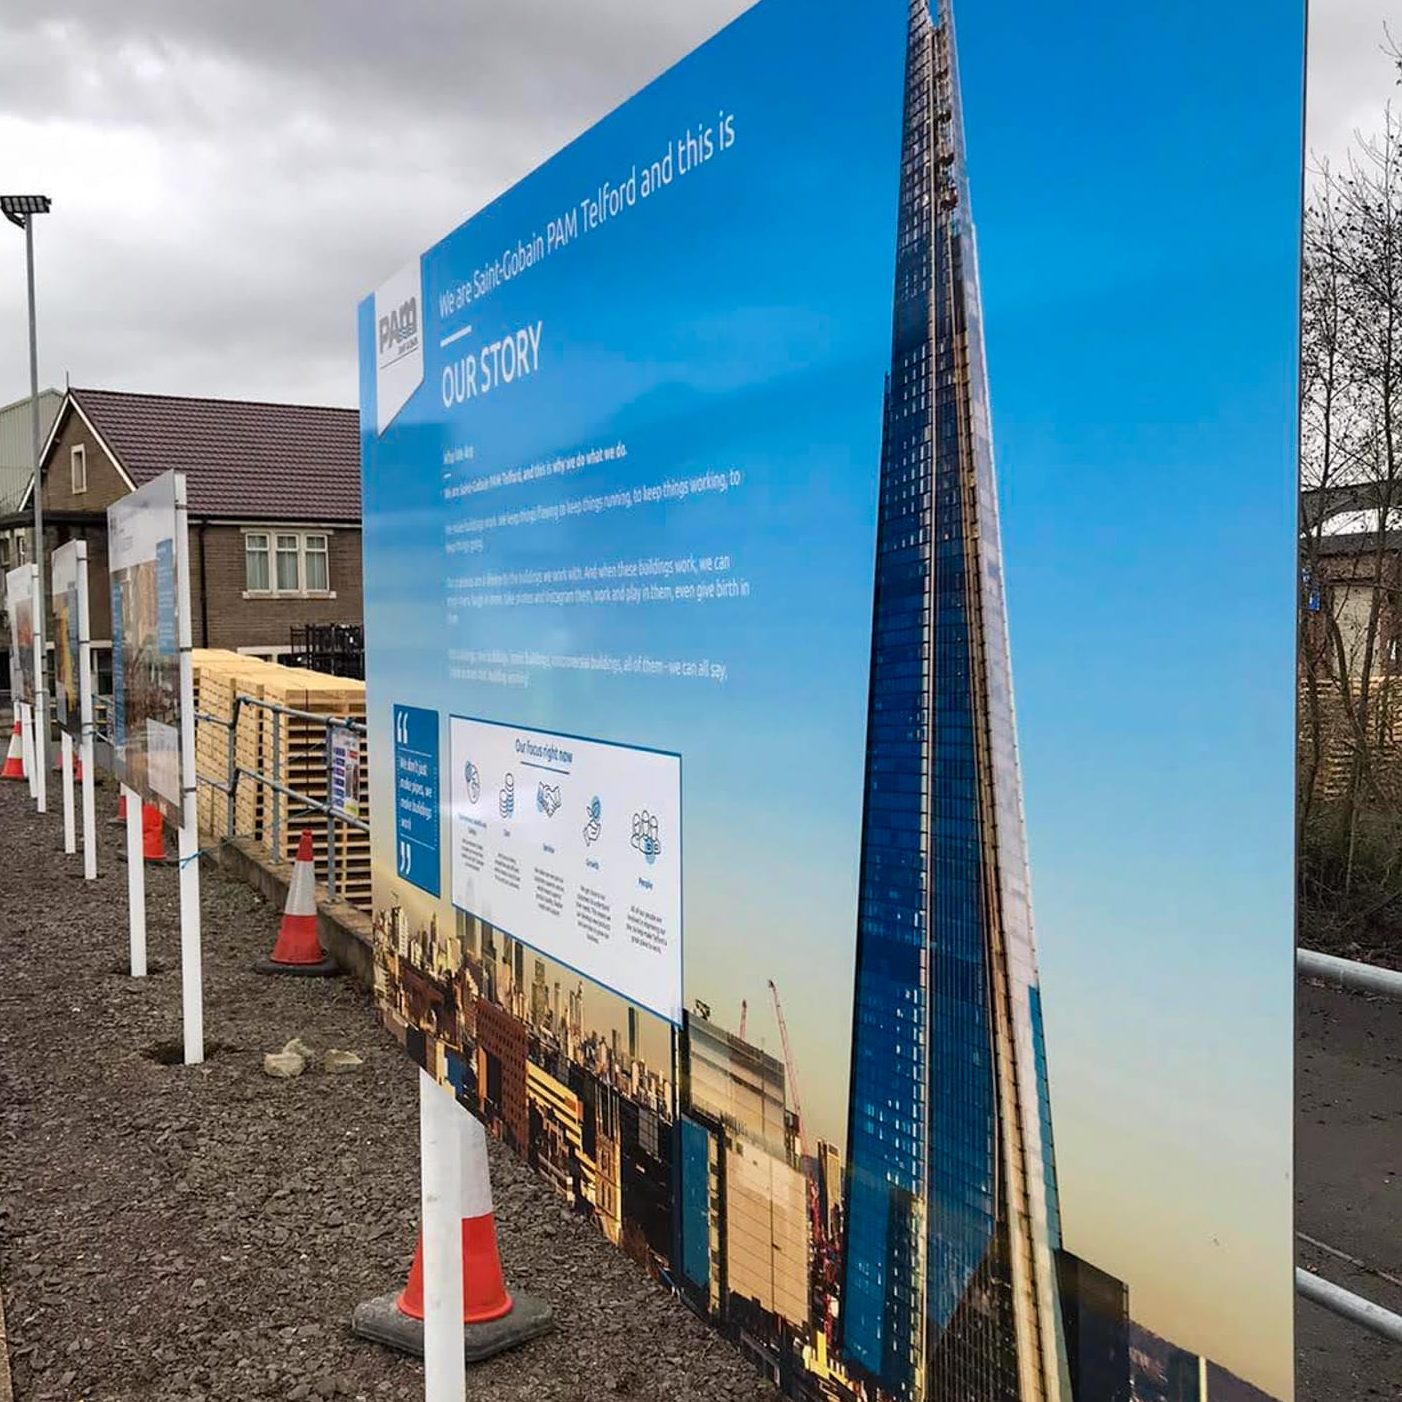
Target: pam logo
pixel 399 342
pixel 399 331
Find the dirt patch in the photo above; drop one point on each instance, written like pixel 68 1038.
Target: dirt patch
pixel 203 1234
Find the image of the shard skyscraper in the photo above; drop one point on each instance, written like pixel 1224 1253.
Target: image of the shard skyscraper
pixel 952 1221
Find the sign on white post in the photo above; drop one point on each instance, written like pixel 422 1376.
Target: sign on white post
pixel 73 689
pixel 440 1167
pixel 153 713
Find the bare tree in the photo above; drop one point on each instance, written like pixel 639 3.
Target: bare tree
pixel 1350 773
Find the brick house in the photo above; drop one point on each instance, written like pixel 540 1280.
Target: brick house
pixel 274 505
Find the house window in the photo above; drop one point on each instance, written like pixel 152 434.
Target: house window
pixel 289 573
pixel 78 468
pixel 255 555
pixel 318 565
pixel 296 563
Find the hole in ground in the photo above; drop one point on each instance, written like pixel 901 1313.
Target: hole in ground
pixel 153 966
pixel 173 1053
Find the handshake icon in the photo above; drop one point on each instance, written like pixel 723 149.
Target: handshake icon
pixel 547 799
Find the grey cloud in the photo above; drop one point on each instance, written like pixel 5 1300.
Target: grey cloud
pixel 1350 77
pixel 226 188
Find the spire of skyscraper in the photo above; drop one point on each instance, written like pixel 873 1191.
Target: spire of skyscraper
pixel 952 1224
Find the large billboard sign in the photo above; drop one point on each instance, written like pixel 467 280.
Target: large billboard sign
pixel 19 604
pixel 147 563
pixel 70 632
pixel 700 866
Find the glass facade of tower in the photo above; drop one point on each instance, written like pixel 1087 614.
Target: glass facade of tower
pixel 949 1287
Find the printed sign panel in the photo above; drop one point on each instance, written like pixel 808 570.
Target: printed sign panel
pixel 579 843
pixel 70 611
pixel 19 604
pixel 147 574
pixel 345 772
pixel 699 856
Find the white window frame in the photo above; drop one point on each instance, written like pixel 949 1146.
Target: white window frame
pixel 267 554
pixel 78 470
pixel 270 535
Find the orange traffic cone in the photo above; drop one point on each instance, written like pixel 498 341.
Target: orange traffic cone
pixel 298 948
pixel 153 834
pixel 492 1319
pixel 14 758
pixel 484 1295
pixel 77 765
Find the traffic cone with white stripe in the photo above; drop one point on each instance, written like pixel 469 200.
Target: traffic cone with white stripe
pixel 298 948
pixel 14 757
pixel 493 1320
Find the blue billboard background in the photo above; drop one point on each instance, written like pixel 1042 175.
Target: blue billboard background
pixel 729 335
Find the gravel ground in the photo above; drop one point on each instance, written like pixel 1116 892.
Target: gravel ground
pixel 204 1233
pixel 1349 1186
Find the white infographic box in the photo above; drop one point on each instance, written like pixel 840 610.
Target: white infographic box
pixel 574 847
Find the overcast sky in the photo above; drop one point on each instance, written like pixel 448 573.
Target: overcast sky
pixel 231 177
pixel 1351 77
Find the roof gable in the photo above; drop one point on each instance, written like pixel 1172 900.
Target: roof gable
pixel 285 462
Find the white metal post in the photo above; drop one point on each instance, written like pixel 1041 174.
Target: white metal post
pixel 40 712
pixel 85 714
pixel 70 817
pixel 191 961
pixel 26 746
pixel 136 883
pixel 191 957
pixel 440 1166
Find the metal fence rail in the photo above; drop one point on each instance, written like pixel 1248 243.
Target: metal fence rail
pixel 274 782
pixel 1347 1305
pixel 1349 974
pixel 240 773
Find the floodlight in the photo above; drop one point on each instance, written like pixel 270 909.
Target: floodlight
pixel 16 208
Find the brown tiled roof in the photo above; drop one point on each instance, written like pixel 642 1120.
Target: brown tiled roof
pixel 286 462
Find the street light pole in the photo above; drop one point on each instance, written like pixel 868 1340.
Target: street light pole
pixel 21 209
pixel 41 686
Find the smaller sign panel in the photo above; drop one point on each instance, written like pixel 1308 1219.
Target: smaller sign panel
pixel 70 604
pixel 144 557
pixel 417 849
pixel 19 604
pixel 573 847
pixel 345 773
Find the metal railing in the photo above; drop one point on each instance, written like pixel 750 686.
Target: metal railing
pixel 1352 976
pixel 237 773
pixel 274 782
